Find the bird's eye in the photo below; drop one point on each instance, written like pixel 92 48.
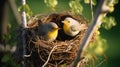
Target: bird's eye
pixel 68 21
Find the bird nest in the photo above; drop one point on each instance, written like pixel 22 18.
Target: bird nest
pixel 61 51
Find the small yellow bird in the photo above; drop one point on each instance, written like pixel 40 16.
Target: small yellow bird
pixel 72 27
pixel 48 31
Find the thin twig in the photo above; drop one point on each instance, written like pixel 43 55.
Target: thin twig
pixel 29 54
pixel 49 56
pixel 100 63
pixel 91 9
pixel 92 28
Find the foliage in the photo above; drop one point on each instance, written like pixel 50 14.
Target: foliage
pixel 88 2
pixel 99 46
pixel 7 61
pixel 27 9
pixel 76 7
pixel 111 5
pixel 108 22
pixel 51 3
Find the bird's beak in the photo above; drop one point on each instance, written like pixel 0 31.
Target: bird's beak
pixel 57 28
pixel 65 21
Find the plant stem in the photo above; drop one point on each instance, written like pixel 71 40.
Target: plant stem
pixel 91 9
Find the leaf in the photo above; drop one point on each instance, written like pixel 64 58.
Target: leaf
pixel 108 22
pixel 27 9
pixel 51 3
pixel 111 4
pixel 20 8
pixel 76 7
pixel 88 2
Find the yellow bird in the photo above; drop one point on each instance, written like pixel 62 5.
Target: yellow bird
pixel 72 27
pixel 48 31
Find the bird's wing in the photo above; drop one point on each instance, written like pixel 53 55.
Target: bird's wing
pixel 78 27
pixel 42 30
pixel 74 28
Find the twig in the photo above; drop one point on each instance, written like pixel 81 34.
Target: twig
pixel 92 28
pixel 100 63
pixel 49 56
pixel 91 9
pixel 29 54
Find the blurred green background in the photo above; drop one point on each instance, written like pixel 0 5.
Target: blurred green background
pixel 112 36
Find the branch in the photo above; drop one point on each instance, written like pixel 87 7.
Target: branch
pixel 24 23
pixel 3 19
pixel 15 11
pixel 92 28
pixel 24 15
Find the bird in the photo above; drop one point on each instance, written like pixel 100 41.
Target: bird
pixel 48 31
pixel 72 27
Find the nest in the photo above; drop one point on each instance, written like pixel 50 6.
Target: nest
pixel 62 51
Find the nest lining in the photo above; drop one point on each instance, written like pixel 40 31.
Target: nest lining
pixel 66 47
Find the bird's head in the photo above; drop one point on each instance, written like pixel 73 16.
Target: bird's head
pixel 53 26
pixel 66 22
pixel 53 30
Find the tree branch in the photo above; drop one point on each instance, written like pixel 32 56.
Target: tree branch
pixel 24 23
pixel 91 29
pixel 15 11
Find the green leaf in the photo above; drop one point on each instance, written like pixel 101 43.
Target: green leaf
pixel 88 2
pixel 27 9
pixel 20 8
pixel 76 7
pixel 111 4
pixel 51 3
pixel 108 22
